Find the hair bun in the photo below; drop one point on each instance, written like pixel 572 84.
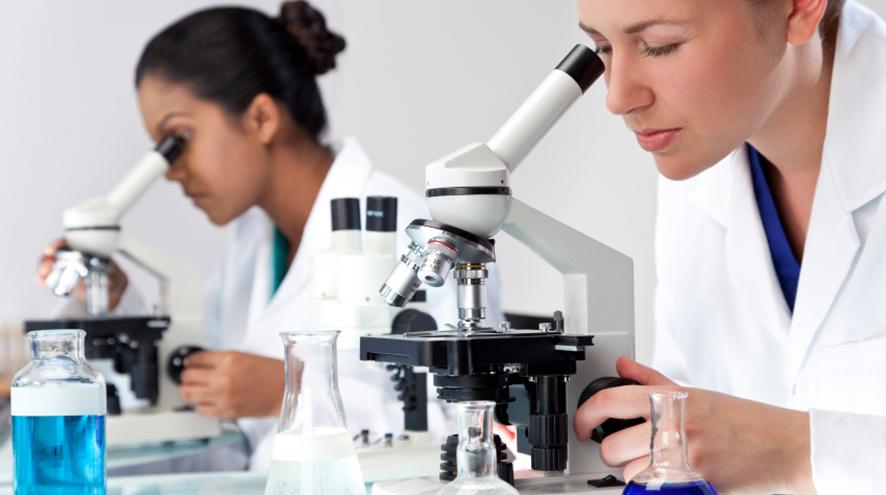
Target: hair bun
pixel 308 26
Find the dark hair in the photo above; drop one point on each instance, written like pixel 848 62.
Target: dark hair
pixel 229 55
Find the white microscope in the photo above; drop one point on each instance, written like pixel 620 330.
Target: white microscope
pixel 346 280
pixel 148 349
pixel 537 377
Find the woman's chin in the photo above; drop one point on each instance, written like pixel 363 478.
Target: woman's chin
pixel 680 166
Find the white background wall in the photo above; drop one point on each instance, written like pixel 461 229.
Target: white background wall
pixel 419 79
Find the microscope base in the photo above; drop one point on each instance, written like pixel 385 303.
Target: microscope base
pixel 131 428
pixel 548 485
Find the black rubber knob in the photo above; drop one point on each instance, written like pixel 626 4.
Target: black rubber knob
pixel 611 425
pixel 412 320
pixel 113 400
pixel 176 363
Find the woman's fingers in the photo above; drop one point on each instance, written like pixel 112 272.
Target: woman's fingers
pixel 644 375
pixel 626 445
pixel 634 467
pixel 626 402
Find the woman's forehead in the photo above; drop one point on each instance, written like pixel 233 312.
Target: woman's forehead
pixel 634 16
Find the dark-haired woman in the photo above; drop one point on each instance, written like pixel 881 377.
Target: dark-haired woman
pixel 241 88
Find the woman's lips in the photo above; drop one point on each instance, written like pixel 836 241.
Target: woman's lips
pixel 654 140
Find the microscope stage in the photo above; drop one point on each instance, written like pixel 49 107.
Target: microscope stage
pixel 456 354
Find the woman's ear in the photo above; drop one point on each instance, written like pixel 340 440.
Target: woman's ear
pixel 804 19
pixel 263 117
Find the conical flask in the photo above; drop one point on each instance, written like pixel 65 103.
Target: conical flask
pixel 476 456
pixel 669 471
pixel 313 451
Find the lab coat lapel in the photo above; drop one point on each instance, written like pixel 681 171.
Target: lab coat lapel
pixel 748 260
pixel 853 173
pixel 831 246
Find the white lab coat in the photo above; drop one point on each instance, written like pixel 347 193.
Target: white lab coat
pixel 241 314
pixel 722 321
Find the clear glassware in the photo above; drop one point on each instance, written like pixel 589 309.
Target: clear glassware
pixel 669 470
pixel 58 408
pixel 476 457
pixel 313 450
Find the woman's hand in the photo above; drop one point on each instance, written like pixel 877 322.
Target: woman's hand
pixel 231 385
pixel 117 280
pixel 739 445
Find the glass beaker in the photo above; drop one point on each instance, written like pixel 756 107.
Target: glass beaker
pixel 58 410
pixel 476 455
pixel 313 451
pixel 669 470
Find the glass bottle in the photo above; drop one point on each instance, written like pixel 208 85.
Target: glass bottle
pixel 313 450
pixel 669 470
pixel 58 410
pixel 476 456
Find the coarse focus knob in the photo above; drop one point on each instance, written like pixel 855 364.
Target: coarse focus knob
pixel 176 363
pixel 611 425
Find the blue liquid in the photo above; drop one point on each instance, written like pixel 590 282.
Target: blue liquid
pixel 700 487
pixel 59 455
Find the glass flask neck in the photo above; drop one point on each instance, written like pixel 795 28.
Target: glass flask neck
pixel 669 448
pixel 311 400
pixel 49 344
pixel 476 455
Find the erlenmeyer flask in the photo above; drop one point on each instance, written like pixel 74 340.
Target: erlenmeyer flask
pixel 476 455
pixel 669 471
pixel 313 451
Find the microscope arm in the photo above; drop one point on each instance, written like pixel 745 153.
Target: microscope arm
pixel 596 303
pixel 181 287
pixel 93 226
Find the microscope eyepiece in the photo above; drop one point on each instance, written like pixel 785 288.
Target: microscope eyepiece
pixel 171 147
pixel 582 65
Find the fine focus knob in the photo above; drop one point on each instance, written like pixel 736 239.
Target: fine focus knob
pixel 176 363
pixel 611 425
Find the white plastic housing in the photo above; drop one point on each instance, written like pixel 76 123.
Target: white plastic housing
pixel 472 166
pixel 480 214
pixel 534 118
pixel 106 211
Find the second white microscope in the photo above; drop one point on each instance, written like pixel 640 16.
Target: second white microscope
pixel 148 349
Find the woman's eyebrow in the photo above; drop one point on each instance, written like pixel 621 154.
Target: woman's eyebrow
pixel 165 119
pixel 632 29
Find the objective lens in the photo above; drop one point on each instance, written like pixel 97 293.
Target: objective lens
pixel 440 257
pixel 403 283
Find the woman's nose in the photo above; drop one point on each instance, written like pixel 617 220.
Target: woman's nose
pixel 626 91
pixel 177 171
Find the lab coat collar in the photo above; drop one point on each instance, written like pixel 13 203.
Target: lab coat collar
pixel 347 177
pixel 857 111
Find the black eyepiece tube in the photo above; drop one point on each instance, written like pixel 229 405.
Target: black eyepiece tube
pixel 170 147
pixel 582 65
pixel 345 214
pixel 381 214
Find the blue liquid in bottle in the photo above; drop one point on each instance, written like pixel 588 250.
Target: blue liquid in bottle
pixel 58 406
pixel 698 487
pixel 59 455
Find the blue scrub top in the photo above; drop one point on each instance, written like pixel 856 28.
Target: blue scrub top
pixel 787 267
